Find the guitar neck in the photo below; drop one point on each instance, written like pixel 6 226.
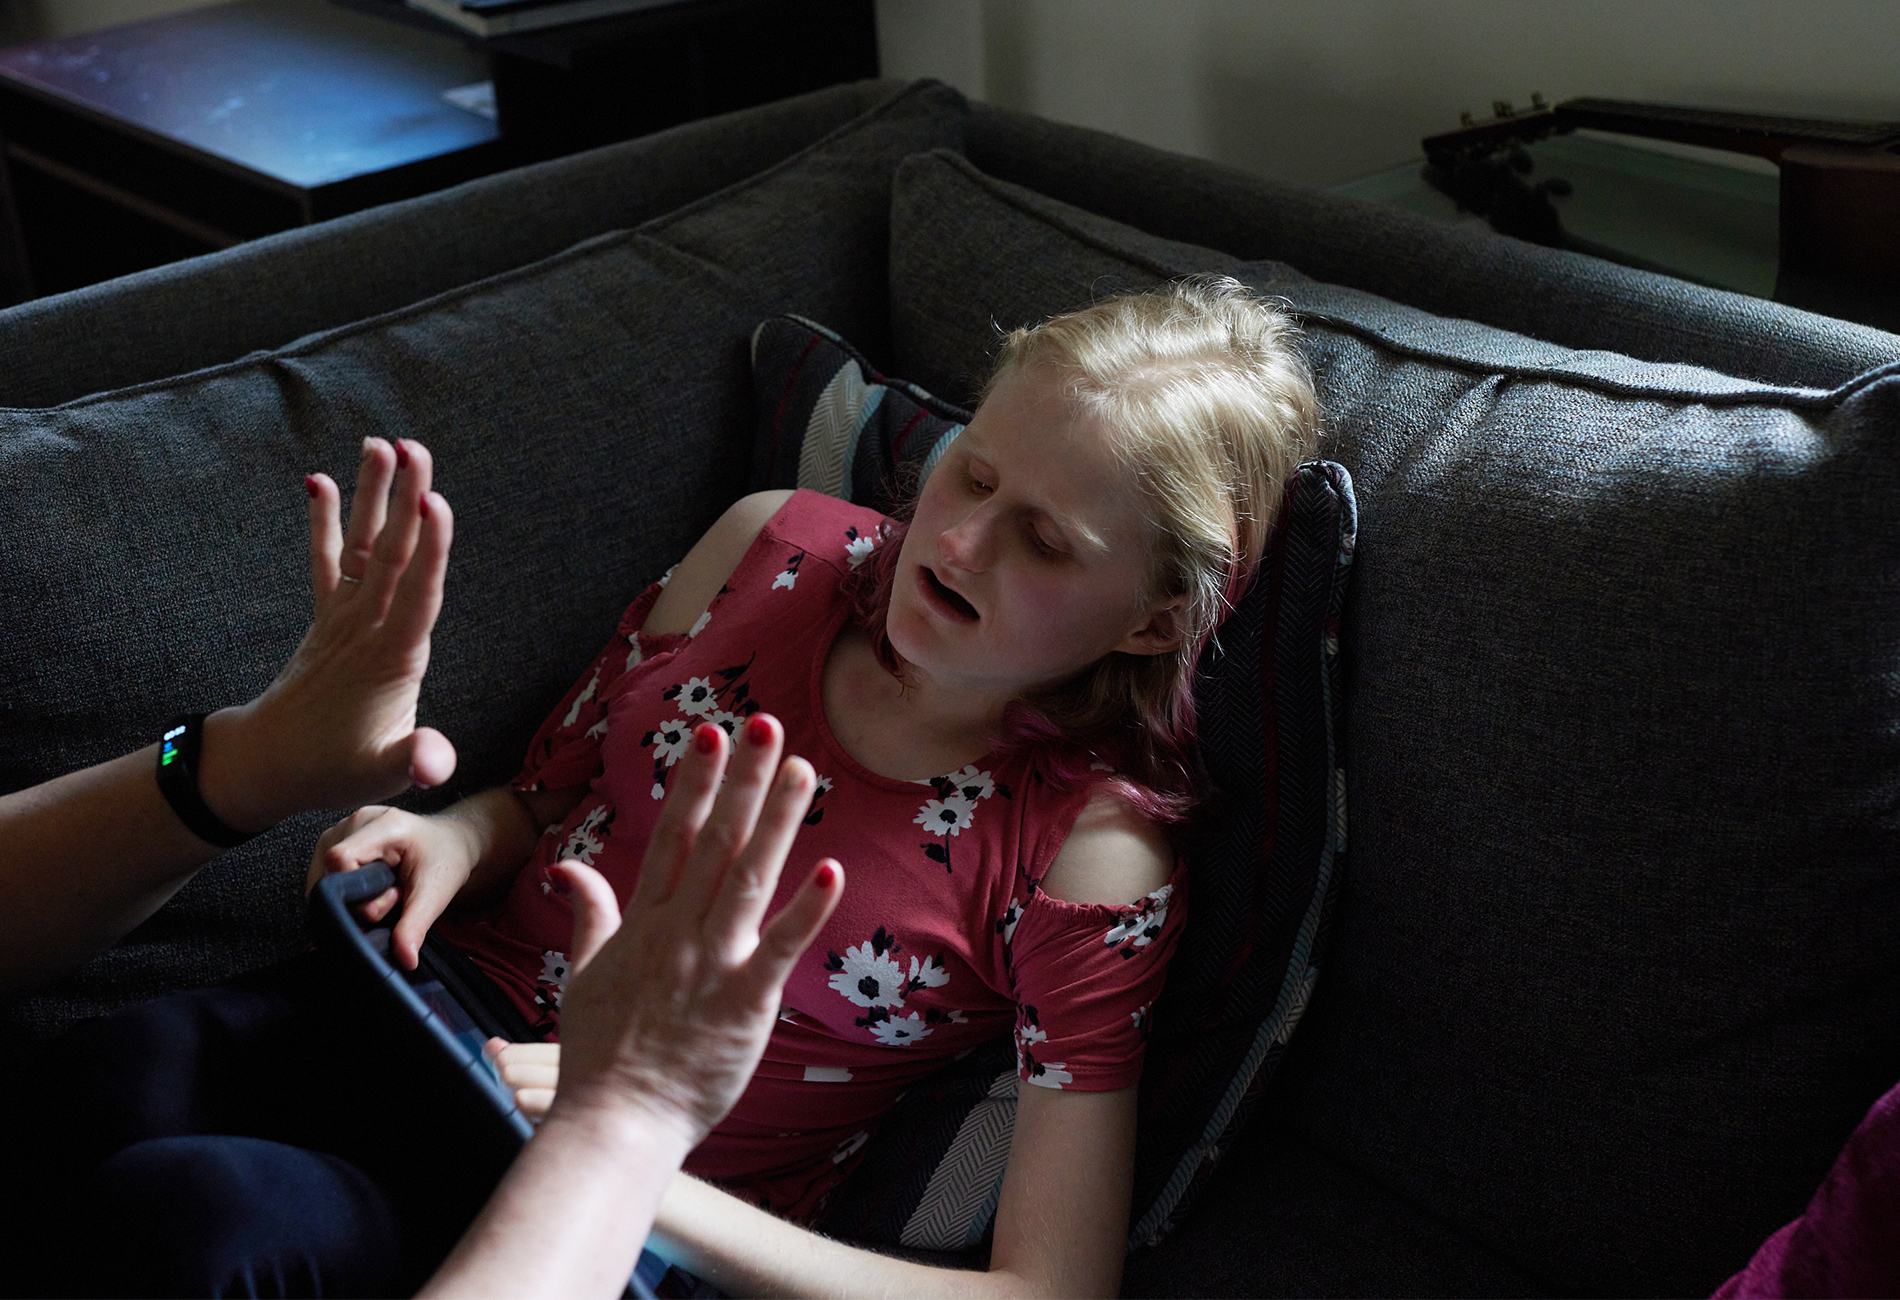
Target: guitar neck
pixel 1765 135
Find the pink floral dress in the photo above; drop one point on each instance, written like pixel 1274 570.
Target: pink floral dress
pixel 943 939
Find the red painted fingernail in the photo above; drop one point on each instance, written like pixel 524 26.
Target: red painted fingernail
pixel 422 506
pixel 402 455
pixel 827 875
pixel 560 883
pixel 310 485
pixel 758 730
pixel 706 738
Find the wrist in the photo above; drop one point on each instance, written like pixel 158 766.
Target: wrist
pixel 621 1128
pixel 233 779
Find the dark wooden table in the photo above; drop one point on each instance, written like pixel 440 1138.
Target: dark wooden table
pixel 184 134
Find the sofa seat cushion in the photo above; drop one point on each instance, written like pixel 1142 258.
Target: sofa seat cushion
pixel 1284 1218
pixel 1611 977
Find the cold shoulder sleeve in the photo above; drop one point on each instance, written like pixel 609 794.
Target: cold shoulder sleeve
pixel 565 750
pixel 1086 976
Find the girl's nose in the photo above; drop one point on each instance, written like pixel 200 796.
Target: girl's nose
pixel 968 544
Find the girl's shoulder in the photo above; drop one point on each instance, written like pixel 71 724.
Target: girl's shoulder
pixel 1113 854
pixel 836 532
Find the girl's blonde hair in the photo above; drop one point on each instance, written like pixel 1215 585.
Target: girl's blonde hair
pixel 1210 406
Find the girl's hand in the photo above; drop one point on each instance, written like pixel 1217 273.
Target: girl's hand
pixel 338 725
pixel 666 1024
pixel 531 1070
pixel 433 858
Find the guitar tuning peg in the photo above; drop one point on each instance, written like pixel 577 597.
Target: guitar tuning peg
pixel 1537 100
pixel 1501 108
pixel 1465 118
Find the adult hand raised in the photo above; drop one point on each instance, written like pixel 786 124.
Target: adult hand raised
pixel 671 1007
pixel 338 724
pixel 662 1024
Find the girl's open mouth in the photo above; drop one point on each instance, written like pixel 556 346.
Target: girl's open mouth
pixel 949 599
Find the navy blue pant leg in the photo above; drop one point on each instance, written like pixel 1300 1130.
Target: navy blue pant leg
pixel 230 1216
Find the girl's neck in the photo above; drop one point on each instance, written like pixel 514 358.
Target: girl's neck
pixel 908 730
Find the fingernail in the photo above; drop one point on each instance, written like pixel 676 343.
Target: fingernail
pixel 369 447
pixel 402 455
pixel 758 730
pixel 706 737
pixel 559 883
pixel 422 506
pixel 415 779
pixel 310 485
pixel 827 875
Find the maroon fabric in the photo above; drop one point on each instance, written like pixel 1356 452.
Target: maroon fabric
pixel 1848 1242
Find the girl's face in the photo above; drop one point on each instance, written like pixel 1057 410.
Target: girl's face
pixel 1028 553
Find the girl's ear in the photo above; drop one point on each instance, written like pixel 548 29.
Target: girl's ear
pixel 1161 634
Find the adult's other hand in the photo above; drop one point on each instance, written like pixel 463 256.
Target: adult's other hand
pixel 338 725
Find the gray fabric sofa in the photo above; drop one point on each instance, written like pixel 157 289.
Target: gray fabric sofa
pixel 1613 972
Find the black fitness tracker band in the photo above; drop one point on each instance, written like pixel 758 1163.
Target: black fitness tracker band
pixel 178 782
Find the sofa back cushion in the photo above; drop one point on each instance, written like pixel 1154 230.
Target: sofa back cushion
pixel 1610 978
pixel 590 416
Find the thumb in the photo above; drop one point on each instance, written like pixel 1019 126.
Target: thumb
pixel 430 758
pixel 596 910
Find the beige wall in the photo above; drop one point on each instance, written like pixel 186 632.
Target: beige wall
pixel 1317 91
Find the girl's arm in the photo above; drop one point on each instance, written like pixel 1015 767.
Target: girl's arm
pixel 1060 1227
pixel 466 853
pixel 1062 1221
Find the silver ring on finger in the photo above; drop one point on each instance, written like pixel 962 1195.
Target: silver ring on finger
pixel 347 578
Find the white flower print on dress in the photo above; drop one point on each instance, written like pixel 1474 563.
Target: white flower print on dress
pixel 1006 925
pixel 849 1147
pixel 666 578
pixel 949 816
pixel 726 720
pixel 669 740
pixel 1142 926
pixel 816 813
pixel 587 693
pixel 699 624
pixel 858 548
pixel 900 1031
pixel 925 975
pixel 868 975
pixel 597 731
pixel 589 837
pixel 788 579
pixel 697 697
pixel 554 973
pixel 1029 1035
pixel 634 654
pixel 972 784
pixel 954 808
